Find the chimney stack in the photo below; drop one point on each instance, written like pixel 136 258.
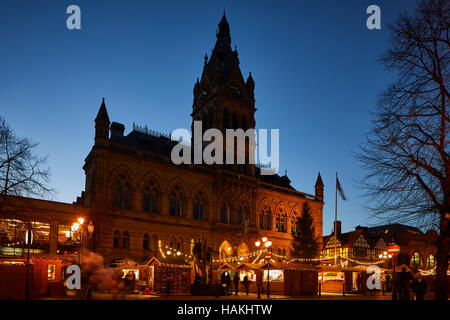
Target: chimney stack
pixel 117 129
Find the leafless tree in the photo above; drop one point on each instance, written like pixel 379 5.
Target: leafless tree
pixel 22 172
pixel 406 151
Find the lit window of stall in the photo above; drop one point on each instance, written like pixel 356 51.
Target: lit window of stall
pixel 274 275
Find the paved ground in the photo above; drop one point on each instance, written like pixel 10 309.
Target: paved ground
pixel 241 296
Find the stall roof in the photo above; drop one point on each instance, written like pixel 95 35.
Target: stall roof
pixel 280 265
pixel 52 256
pixel 168 260
pixel 227 266
pixel 248 266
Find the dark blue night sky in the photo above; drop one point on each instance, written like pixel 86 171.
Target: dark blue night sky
pixel 314 64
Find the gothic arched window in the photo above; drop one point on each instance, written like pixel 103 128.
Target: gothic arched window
pixel 430 261
pixel 225 216
pixel 122 193
pixel 199 207
pixel 264 219
pixel 146 242
pixel 281 223
pixel 176 203
pixel 116 239
pixel 416 259
pixel 241 215
pixel 126 196
pixel 150 198
pixel 126 240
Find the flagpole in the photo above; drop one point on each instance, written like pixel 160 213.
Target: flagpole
pixel 335 222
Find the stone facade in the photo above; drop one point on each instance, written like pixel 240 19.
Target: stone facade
pixel 142 204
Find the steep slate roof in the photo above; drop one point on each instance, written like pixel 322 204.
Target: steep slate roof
pixel 162 145
pixel 373 234
pixel 346 239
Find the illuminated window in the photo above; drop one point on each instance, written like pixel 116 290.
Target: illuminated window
pixel 274 275
pixel 430 261
pixel 281 223
pixel 416 260
pixel 51 272
pixel 64 232
pixel 264 219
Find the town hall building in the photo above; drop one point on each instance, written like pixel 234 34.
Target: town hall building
pixel 142 205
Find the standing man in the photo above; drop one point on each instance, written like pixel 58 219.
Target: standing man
pixel 236 282
pixel 246 283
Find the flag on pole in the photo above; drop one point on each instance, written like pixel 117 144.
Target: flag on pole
pixel 339 188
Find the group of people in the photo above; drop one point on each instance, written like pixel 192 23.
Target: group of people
pixel 130 281
pixel 407 282
pixel 225 280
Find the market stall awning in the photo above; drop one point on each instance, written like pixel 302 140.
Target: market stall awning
pixel 248 266
pixel 227 266
pixel 270 265
pixel 168 261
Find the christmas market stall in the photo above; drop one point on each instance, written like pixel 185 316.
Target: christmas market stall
pixel 46 276
pixel 335 279
pixel 251 271
pixel 169 275
pixel 331 279
pixel 288 278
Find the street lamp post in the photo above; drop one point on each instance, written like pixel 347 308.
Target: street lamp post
pixel 28 241
pixel 80 230
pixel 267 244
pixel 384 256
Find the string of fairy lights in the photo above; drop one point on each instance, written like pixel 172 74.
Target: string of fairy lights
pixel 256 257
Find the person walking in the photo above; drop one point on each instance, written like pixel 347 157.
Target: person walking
pixel 358 283
pixel 403 284
pixel 236 282
pixel 132 281
pixel 228 282
pixel 419 287
pixel 246 283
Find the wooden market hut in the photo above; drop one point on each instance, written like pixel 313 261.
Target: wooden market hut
pixel 285 278
pixel 171 275
pixel 46 276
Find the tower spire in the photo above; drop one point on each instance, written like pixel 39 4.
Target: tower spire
pixel 319 187
pixel 224 28
pixel 102 124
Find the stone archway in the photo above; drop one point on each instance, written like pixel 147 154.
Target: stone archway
pixel 243 252
pixel 225 250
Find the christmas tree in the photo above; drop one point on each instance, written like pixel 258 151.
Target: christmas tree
pixel 304 243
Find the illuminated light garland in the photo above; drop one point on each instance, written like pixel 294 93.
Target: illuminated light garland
pixel 257 254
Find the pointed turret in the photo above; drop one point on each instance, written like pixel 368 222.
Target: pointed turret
pixel 319 186
pixel 102 124
pixel 250 84
pixel 224 28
